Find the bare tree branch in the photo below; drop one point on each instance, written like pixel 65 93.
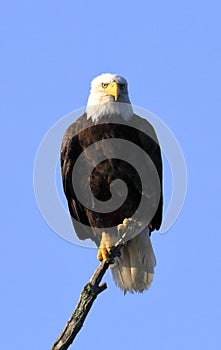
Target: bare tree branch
pixel 87 297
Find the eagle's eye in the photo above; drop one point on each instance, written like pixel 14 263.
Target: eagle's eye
pixel 121 86
pixel 104 85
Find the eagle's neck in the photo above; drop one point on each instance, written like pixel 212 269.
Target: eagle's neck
pixel 99 106
pixel 108 109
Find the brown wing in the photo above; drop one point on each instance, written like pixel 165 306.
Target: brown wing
pixel 70 151
pixel 151 145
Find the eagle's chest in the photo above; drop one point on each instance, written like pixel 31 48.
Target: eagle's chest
pixel 102 149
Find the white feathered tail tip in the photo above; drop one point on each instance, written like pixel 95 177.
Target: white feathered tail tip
pixel 133 271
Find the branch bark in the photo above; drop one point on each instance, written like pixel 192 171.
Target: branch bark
pixel 88 295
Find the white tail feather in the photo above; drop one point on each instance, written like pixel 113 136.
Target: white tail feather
pixel 133 271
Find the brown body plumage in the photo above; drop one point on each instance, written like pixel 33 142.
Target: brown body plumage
pixel 86 134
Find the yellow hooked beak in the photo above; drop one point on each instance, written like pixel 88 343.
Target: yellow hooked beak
pixel 112 89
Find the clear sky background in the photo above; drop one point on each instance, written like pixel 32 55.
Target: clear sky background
pixel 170 53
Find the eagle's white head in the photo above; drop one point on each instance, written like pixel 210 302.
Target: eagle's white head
pixel 108 96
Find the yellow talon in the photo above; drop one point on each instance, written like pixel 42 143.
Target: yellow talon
pixel 129 228
pixel 103 254
pixel 120 226
pixel 104 248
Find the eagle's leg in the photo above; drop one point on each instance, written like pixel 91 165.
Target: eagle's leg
pixel 104 249
pixel 126 231
pixel 129 228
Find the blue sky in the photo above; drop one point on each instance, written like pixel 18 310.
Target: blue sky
pixel 170 53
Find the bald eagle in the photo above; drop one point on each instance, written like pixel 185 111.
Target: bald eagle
pixel 101 140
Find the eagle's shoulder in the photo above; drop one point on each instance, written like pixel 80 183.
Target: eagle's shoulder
pixel 147 128
pixel 74 129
